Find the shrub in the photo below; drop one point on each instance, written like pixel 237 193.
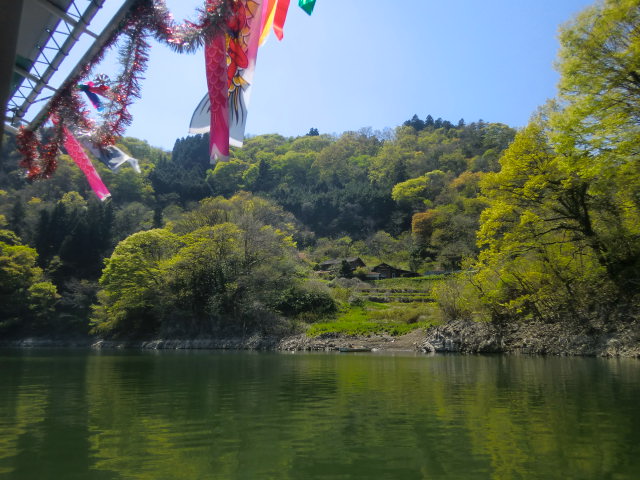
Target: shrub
pixel 297 299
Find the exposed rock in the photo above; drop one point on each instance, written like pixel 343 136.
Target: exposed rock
pixel 254 342
pixel 466 336
pixel 459 336
pixel 409 342
pixel 53 342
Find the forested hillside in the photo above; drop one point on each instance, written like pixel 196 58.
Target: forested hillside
pixel 540 225
pixel 320 196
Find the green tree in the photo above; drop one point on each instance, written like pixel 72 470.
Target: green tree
pixel 420 191
pixel 597 130
pixel 141 150
pixel 214 210
pixel 415 123
pixel 126 185
pixel 226 178
pixel 27 298
pixel 132 295
pixel 382 245
pixel 203 275
pixel 454 162
pixel 600 85
pixel 131 218
pixel 337 163
pixel 228 277
pixel 411 192
pixel 561 237
pixel 550 247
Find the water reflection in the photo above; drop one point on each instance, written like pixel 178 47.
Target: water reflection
pixel 245 415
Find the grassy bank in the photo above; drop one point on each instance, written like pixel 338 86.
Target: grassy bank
pixel 392 306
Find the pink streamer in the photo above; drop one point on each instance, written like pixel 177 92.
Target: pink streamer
pixel 77 153
pixel 254 40
pixel 215 53
pixel 230 63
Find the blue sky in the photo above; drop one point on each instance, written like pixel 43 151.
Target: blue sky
pixel 357 63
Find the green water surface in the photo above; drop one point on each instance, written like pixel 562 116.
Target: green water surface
pixel 221 415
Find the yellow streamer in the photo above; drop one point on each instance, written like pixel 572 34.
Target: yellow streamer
pixel 269 15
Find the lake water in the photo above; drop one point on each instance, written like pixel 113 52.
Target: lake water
pixel 238 415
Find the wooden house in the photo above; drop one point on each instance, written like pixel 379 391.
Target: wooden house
pixel 354 262
pixel 387 271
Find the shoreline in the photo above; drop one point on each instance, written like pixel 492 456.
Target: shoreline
pixel 458 336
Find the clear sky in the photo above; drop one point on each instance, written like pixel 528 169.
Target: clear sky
pixel 357 63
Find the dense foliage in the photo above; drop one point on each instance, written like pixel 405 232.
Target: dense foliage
pixel 561 236
pixel 191 248
pixel 543 224
pixel 27 298
pixel 227 271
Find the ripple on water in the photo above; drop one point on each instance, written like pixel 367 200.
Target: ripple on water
pixel 217 415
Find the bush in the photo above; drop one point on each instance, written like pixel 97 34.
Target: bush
pixel 457 298
pixel 296 300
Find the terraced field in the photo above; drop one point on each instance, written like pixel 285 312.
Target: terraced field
pixel 401 290
pixel 394 307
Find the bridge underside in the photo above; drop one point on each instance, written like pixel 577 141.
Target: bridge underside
pixel 36 39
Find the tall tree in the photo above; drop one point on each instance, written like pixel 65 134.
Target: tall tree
pixel 27 298
pixel 562 234
pixel 597 127
pixel 600 83
pixel 131 299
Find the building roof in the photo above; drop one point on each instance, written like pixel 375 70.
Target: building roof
pixel 337 261
pixel 386 266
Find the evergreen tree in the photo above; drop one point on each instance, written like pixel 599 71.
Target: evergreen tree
pixel 415 123
pixel 429 123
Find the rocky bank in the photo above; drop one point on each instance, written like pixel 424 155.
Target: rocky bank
pixel 459 336
pixel 533 338
pixel 464 336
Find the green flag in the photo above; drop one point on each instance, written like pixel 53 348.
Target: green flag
pixel 307 5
